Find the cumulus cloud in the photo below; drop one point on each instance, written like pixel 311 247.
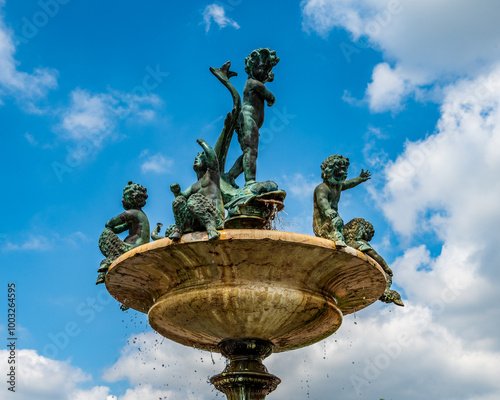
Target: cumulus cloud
pixel 300 186
pixel 423 42
pixel 322 16
pixel 95 116
pixel 217 14
pixel 41 378
pixel 150 359
pixel 387 89
pixel 96 393
pixel 32 242
pixel 467 140
pixel 26 88
pixel 376 353
pixel 388 353
pixel 156 163
pixel 446 186
pixel 149 392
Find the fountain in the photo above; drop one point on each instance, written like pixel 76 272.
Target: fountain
pixel 225 283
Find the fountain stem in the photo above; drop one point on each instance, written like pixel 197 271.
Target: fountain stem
pixel 245 378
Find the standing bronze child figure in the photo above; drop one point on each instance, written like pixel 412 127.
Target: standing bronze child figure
pixel 133 219
pixel 259 66
pixel 326 219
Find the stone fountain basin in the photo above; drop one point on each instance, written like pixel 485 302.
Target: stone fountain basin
pixel 286 288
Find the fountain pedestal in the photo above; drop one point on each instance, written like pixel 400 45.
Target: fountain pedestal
pixel 245 377
pixel 247 294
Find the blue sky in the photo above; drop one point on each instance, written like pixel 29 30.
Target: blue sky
pixel 93 94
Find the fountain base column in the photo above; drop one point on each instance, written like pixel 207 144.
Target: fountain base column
pixel 245 378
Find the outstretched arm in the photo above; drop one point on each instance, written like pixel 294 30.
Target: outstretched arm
pixel 210 153
pixel 363 177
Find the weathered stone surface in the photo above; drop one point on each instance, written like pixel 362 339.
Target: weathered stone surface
pixel 286 288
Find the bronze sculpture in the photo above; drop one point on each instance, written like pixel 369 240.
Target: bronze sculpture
pixel 200 206
pixel 133 219
pixel 259 66
pixel 327 222
pixel 358 232
pixel 256 204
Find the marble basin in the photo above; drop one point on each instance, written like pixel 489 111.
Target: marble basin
pixel 288 289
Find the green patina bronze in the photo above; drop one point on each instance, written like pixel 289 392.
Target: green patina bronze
pixel 327 222
pixel 256 204
pixel 245 377
pixel 133 219
pixel 259 66
pixel 200 206
pixel 358 232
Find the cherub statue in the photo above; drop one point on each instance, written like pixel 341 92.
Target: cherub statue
pixel 133 219
pixel 326 219
pixel 258 65
pixel 358 232
pixel 200 206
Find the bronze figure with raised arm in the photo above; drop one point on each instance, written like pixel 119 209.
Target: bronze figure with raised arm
pixel 200 206
pixel 326 219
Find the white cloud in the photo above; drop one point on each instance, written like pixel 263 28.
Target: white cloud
pixel 26 88
pixel 31 139
pixel 373 155
pixel 465 150
pixel 33 242
pixel 387 89
pixel 41 378
pixel 157 163
pixel 149 359
pixel 148 392
pixel 96 393
pixel 300 186
pixel 95 117
pixel 424 41
pixel 392 354
pixel 447 186
pixel 322 16
pixel 378 353
pixel 216 13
